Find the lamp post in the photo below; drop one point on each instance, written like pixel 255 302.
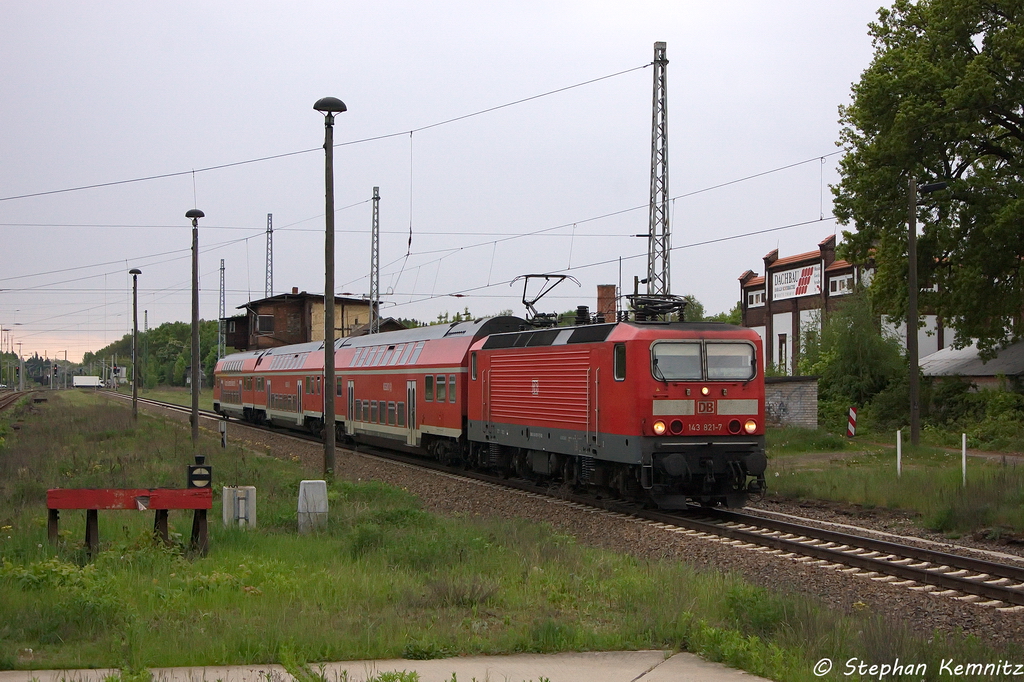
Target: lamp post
pixel 135 272
pixel 329 106
pixel 912 317
pixel 195 214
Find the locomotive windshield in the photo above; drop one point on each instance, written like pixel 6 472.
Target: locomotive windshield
pixel 686 361
pixel 676 362
pixel 730 361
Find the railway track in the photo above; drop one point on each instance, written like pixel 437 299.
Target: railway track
pixel 938 573
pixel 8 398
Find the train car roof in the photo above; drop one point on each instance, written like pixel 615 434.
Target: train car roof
pixel 596 333
pixel 472 329
pixel 298 355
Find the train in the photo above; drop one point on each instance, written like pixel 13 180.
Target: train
pixel 663 413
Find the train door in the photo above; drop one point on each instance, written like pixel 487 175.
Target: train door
pixel 410 401
pixel 350 418
pixel 485 395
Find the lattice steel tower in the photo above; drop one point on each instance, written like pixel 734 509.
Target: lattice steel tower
pixel 269 289
pixel 375 265
pixel 659 237
pixel 220 316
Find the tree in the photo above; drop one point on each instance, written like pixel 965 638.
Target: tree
pixel 694 310
pixel 941 100
pixel 734 316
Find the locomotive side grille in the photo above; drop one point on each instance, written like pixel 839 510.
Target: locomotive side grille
pixel 550 388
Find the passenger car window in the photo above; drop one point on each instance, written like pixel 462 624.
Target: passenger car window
pixel 440 388
pixel 451 388
pixel 428 388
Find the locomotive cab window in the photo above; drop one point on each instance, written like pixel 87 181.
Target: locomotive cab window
pixel 472 365
pixel 620 362
pixel 676 361
pixel 731 361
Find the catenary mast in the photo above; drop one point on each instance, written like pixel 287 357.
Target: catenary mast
pixel 375 265
pixel 269 289
pixel 659 238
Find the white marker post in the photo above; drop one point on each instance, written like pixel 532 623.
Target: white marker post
pixel 899 454
pixel 963 455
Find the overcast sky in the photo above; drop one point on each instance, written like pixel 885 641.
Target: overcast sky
pixel 98 93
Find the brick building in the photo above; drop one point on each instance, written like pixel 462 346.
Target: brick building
pixel 790 297
pixel 297 317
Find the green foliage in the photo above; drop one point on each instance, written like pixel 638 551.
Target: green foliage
pixel 941 100
pixel 852 358
pixel 165 353
pixel 694 311
pixel 734 316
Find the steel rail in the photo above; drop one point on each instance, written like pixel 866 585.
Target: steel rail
pixel 932 556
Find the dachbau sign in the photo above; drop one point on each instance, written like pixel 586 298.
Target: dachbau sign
pixel 805 281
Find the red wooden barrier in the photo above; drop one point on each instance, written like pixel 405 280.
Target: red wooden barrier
pixel 158 499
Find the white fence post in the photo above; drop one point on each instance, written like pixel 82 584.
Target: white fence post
pixel 963 455
pixel 899 454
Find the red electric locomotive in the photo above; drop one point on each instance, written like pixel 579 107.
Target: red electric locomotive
pixel 665 411
pixel 675 410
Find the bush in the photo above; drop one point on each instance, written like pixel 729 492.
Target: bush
pixel 890 408
pixel 853 358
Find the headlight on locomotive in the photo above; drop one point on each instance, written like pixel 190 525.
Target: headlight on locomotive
pixel 659 428
pixel 750 426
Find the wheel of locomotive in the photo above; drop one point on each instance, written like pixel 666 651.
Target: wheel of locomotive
pixel 521 464
pixel 627 483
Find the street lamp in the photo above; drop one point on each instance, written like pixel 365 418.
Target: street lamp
pixel 329 106
pixel 135 272
pixel 195 214
pixel 912 317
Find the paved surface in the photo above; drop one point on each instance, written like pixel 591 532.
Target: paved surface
pixel 625 666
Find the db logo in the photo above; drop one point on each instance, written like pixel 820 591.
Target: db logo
pixel 706 407
pixel 535 387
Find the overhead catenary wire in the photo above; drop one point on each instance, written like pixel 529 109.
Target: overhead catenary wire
pixel 272 157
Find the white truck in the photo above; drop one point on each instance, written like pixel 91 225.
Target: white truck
pixel 87 382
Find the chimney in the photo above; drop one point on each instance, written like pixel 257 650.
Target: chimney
pixel 295 290
pixel 606 301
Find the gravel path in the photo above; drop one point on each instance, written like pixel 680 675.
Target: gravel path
pixel 445 495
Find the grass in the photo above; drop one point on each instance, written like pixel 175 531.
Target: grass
pixel 384 580
pixel 930 485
